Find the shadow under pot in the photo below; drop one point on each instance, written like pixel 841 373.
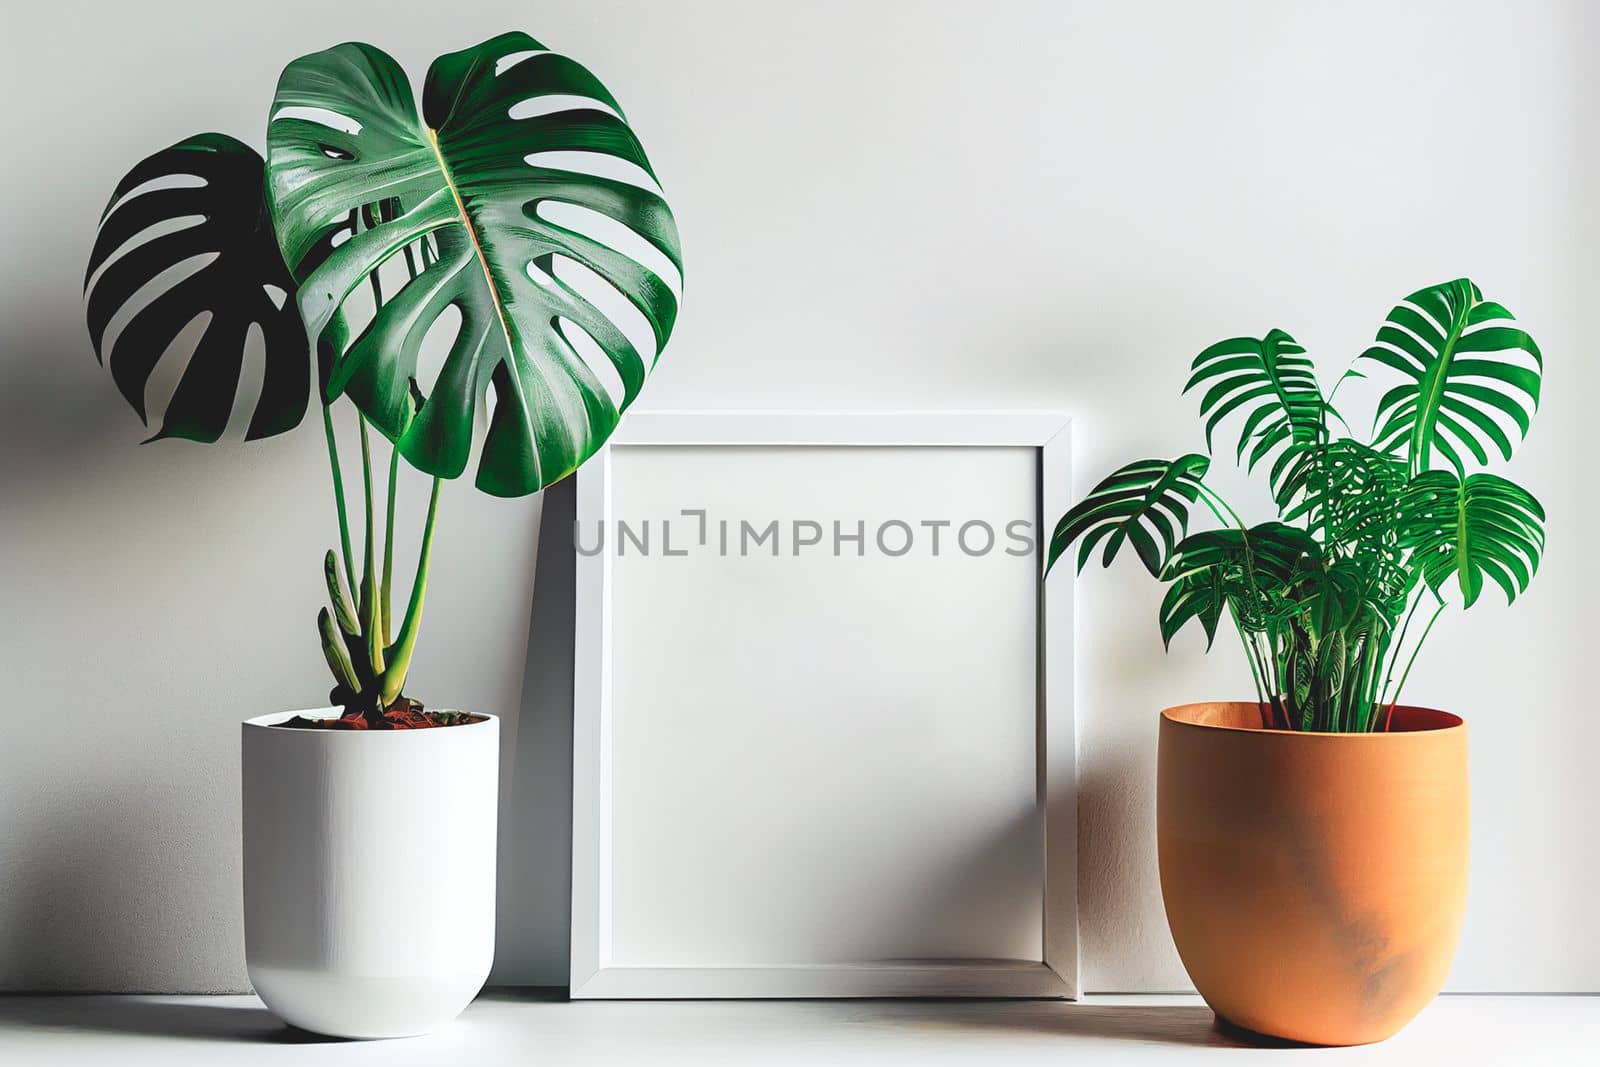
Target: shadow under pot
pixel 1314 882
pixel 369 872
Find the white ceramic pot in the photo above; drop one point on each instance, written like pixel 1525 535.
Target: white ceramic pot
pixel 369 871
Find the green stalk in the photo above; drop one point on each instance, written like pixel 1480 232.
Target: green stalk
pixel 386 586
pixel 1225 514
pixel 1249 655
pixel 1399 650
pixel 1372 662
pixel 1266 655
pixel 1273 661
pixel 338 496
pixel 394 679
pixel 1407 672
pixel 369 581
pixel 1212 499
pixel 1355 678
pixel 1352 680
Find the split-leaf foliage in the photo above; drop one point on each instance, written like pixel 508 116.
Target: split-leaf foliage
pixel 1370 536
pixel 371 223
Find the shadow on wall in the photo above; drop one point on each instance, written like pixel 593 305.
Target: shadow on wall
pixel 86 897
pixel 534 884
pixel 59 413
pixel 1116 849
pixel 970 896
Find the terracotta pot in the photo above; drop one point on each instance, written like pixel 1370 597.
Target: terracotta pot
pixel 1314 882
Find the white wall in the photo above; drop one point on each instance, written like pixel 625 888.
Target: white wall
pixel 1008 204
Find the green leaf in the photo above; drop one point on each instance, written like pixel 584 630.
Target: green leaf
pixel 1299 667
pixel 1199 594
pixel 333 650
pixel 1327 598
pixel 342 609
pixel 1468 529
pixel 200 198
pixel 1271 381
pixel 483 202
pixel 1466 372
pixel 1145 503
pixel 1253 568
pixel 1344 488
pixel 1271 551
pixel 1331 669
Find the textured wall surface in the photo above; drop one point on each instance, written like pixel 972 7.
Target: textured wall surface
pixel 1022 203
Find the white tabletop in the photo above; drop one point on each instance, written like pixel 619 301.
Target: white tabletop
pixel 517 1027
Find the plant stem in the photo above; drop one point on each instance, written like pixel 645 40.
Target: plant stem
pixel 369 582
pixel 1249 654
pixel 1225 514
pixel 1399 649
pixel 338 496
pixel 1349 372
pixel 1372 696
pixel 1212 499
pixel 386 586
pixel 406 641
pixel 1407 672
pixel 1358 701
pixel 1275 678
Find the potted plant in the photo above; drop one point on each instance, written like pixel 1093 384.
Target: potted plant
pixel 518 218
pixel 1313 842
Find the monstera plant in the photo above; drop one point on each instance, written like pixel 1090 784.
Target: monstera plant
pixel 1370 536
pixel 514 213
pixel 493 272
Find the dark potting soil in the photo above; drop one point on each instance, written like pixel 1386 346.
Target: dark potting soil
pixel 404 716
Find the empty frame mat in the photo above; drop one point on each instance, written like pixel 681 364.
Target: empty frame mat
pixel 823 728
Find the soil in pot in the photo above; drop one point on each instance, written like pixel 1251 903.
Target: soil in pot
pixel 404 715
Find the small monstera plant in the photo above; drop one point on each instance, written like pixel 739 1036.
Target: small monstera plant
pixel 1368 535
pixel 515 213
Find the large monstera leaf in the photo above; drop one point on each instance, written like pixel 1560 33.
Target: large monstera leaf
pixel 1269 378
pixel 1471 376
pixel 509 135
pixel 1272 381
pixel 191 223
pixel 1142 503
pixel 1468 528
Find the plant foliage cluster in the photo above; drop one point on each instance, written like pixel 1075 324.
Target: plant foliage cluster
pixel 514 212
pixel 1370 536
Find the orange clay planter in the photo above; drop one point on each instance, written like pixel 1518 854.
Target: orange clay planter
pixel 1314 883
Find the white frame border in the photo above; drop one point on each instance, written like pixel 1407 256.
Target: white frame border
pixel 593 974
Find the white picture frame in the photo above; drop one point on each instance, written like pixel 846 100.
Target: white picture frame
pixel 603 968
